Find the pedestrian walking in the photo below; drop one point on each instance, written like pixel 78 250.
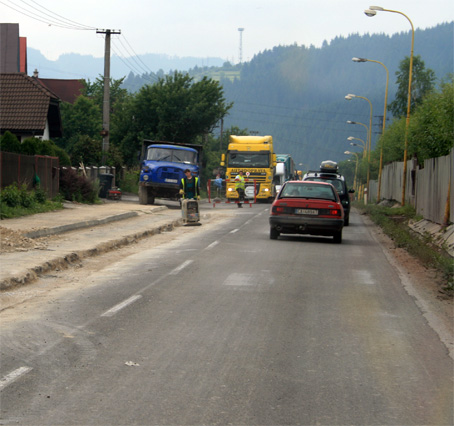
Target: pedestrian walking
pixel 218 185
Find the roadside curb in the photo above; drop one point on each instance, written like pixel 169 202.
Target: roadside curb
pixel 45 232
pixel 67 260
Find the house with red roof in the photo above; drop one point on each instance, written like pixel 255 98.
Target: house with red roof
pixel 28 108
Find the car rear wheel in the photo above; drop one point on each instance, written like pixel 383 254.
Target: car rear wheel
pixel 337 237
pixel 274 233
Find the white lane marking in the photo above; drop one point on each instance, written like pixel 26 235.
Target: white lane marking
pixel 179 268
pixel 233 231
pixel 121 305
pixel 14 375
pixel 213 244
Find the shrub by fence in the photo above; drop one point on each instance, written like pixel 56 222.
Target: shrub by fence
pixel 25 169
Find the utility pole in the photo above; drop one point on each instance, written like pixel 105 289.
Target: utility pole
pixel 106 99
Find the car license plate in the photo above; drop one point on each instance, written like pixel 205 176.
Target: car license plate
pixel 306 211
pixel 171 180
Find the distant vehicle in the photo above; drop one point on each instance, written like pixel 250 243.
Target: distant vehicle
pixel 255 156
pixel 304 207
pixel 285 170
pixel 162 168
pixel 329 173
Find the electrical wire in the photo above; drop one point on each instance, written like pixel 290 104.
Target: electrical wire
pixel 136 64
pixel 132 68
pixel 49 21
pixel 66 19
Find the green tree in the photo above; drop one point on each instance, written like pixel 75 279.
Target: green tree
pixel 88 151
pixel 10 143
pixel 432 124
pixel 95 91
pixel 177 109
pixel 83 117
pixel 431 131
pixel 422 83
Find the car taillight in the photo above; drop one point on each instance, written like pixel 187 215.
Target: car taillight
pixel 277 210
pixel 335 212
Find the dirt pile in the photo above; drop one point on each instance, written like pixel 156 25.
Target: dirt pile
pixel 11 241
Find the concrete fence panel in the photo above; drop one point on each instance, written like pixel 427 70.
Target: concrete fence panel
pixel 429 189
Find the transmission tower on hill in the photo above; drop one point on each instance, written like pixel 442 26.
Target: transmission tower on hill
pixel 241 44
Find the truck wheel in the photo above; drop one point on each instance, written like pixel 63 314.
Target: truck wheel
pixel 149 196
pixel 143 195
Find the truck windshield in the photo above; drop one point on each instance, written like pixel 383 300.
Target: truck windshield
pixel 173 155
pixel 248 159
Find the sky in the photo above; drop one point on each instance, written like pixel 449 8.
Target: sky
pixel 208 28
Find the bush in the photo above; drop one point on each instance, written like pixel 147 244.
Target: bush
pixel 11 196
pixel 77 188
pixel 40 196
pixel 27 199
pixel 130 181
pixel 10 143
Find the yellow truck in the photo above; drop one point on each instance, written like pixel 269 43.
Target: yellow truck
pixel 255 156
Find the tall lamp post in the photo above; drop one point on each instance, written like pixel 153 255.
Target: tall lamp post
pixel 356 167
pixel 349 97
pixel 364 125
pixel 372 11
pixel 384 117
pixel 351 138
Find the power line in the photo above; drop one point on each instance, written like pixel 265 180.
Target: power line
pixel 138 65
pixel 55 21
pixel 62 20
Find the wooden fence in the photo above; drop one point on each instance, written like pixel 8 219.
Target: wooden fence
pixel 22 169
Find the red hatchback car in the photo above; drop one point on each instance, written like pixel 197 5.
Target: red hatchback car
pixel 307 207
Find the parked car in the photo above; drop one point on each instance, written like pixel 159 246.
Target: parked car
pixel 307 207
pixel 329 173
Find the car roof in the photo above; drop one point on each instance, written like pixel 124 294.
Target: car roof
pixel 308 180
pixel 326 175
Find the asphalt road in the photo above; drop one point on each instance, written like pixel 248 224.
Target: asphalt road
pixel 221 325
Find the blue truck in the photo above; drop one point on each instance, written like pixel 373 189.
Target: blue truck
pixel 162 168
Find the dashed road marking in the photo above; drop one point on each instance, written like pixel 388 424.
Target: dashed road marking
pixel 14 375
pixel 121 305
pixel 179 268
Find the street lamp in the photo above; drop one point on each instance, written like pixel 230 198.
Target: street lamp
pixel 356 167
pixel 348 98
pixel 351 138
pixel 372 11
pixel 384 117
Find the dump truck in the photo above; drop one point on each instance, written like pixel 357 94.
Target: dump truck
pixel 162 168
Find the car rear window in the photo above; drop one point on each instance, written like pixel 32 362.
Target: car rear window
pixel 308 190
pixel 338 184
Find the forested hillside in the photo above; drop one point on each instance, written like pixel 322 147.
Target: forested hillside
pixel 297 93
